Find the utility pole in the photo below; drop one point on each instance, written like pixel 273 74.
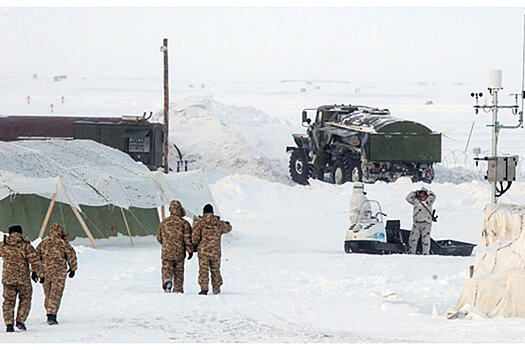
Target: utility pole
pixel 164 49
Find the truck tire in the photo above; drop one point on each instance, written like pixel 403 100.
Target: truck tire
pixel 356 173
pixel 340 173
pixel 300 169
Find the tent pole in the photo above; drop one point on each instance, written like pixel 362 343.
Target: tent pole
pixel 162 213
pixel 84 226
pixel 127 226
pixel 48 215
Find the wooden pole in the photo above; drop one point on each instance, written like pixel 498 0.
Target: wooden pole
pixel 162 213
pixel 48 215
pixel 127 226
pixel 164 49
pixel 84 226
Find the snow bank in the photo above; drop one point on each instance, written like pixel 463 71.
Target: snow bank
pixel 227 139
pixel 497 286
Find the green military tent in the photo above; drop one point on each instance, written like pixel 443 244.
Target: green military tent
pixel 93 190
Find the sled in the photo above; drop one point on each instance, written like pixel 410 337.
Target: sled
pixel 370 235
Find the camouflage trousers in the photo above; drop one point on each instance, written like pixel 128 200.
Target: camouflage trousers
pixel 53 291
pixel 24 293
pixel 207 266
pixel 173 271
pixel 420 230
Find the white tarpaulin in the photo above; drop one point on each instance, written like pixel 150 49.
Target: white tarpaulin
pixel 88 173
pixel 497 286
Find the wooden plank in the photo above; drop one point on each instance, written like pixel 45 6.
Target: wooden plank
pixel 127 226
pixel 84 226
pixel 48 215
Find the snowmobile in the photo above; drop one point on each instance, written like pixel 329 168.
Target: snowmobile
pixel 370 235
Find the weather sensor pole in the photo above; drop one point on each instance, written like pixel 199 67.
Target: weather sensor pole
pixel 500 169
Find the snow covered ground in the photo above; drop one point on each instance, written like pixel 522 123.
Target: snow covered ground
pixel 287 278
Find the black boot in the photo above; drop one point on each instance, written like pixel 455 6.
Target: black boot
pixel 51 319
pixel 167 287
pixel 21 326
pixel 216 291
pixel 9 328
pixel 203 292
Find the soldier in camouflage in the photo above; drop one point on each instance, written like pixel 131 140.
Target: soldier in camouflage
pixel 56 254
pixel 422 218
pixel 206 237
pixel 174 235
pixel 17 253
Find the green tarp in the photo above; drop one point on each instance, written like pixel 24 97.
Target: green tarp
pixel 29 211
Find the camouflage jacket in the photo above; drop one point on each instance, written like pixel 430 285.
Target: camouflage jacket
pixel 207 233
pixel 174 234
pixel 56 253
pixel 18 253
pixel 422 209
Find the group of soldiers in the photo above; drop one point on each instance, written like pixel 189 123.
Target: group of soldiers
pixel 54 259
pixel 177 238
pixel 422 214
pixel 50 263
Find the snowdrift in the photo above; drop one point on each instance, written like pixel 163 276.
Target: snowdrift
pixel 497 286
pixel 228 139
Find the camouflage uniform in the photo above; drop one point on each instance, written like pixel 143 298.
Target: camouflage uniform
pixel 56 254
pixel 207 237
pixel 18 253
pixel 422 222
pixel 174 234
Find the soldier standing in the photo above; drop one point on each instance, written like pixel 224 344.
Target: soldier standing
pixel 206 237
pixel 174 235
pixel 56 254
pixel 422 218
pixel 322 161
pixel 18 253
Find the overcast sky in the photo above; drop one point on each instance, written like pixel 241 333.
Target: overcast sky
pixel 262 44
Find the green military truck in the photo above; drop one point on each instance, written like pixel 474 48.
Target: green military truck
pixel 367 145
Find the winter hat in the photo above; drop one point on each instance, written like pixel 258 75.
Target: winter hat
pixel 15 228
pixel 208 208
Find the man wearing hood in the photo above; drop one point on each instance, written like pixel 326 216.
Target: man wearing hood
pixel 174 235
pixel 18 254
pixel 206 237
pixel 422 218
pixel 56 254
pixel 356 203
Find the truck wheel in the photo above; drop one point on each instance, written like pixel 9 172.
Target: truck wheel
pixel 356 174
pixel 340 173
pixel 300 169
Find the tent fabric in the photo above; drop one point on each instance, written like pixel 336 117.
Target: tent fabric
pixel 497 286
pixel 29 211
pixel 86 173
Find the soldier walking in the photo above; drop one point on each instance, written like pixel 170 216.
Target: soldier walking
pixel 422 218
pixel 174 235
pixel 206 237
pixel 56 254
pixel 18 253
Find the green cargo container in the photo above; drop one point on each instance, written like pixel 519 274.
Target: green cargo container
pixel 403 147
pixel 143 141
